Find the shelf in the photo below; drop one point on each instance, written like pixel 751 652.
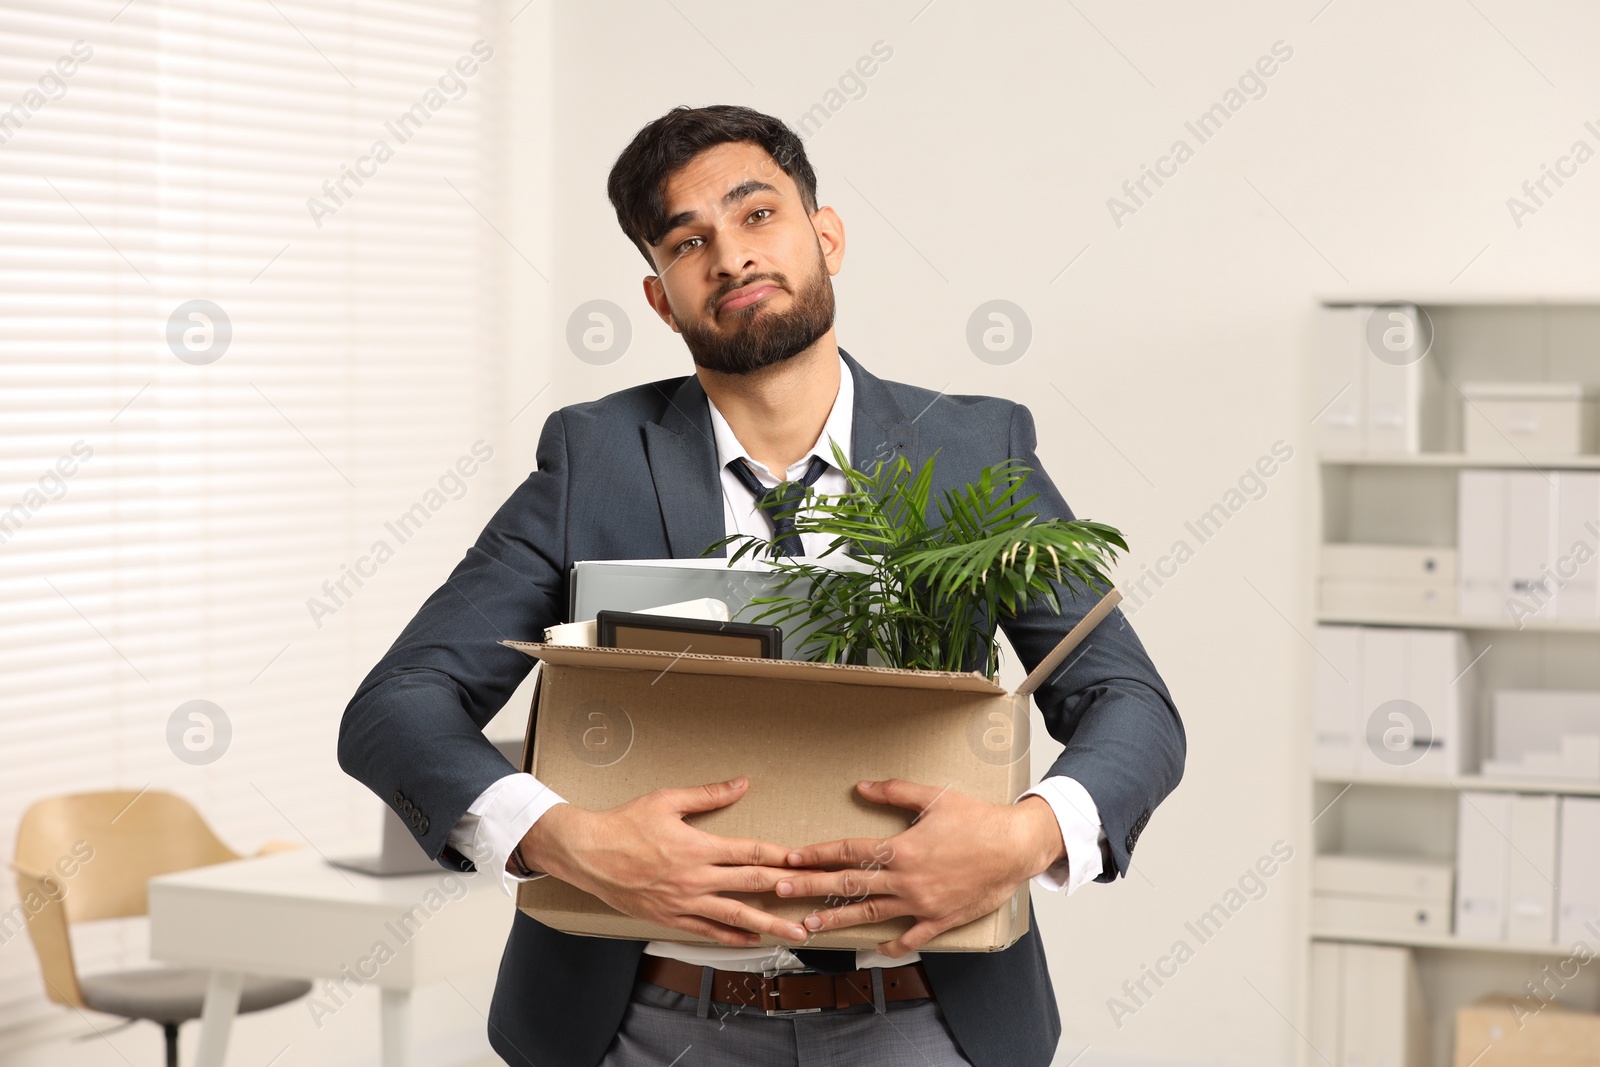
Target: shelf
pixel 1445 622
pixel 1465 298
pixel 1440 941
pixel 1565 787
pixel 1583 462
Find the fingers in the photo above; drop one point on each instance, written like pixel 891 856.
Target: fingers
pixel 708 797
pixel 734 913
pixel 748 852
pixel 852 883
pixel 902 794
pixel 870 910
pixel 913 939
pixel 747 879
pixel 723 935
pixel 855 851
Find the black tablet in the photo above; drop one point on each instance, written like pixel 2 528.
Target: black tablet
pixel 671 633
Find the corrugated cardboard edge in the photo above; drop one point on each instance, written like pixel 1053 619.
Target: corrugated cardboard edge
pixel 747 667
pixel 802 670
pixel 1041 674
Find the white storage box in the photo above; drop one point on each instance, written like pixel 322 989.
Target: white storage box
pixel 1511 419
pixel 1543 722
pixel 1389 563
pixel 1371 916
pixel 1428 881
pixel 1357 598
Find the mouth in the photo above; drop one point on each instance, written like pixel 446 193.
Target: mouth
pixel 747 295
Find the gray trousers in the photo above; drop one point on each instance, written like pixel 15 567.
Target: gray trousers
pixel 662 1028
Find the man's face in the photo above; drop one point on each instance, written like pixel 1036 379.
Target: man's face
pixel 744 270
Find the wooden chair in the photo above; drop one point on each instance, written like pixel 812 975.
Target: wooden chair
pixel 88 856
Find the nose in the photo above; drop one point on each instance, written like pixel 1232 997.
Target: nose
pixel 734 256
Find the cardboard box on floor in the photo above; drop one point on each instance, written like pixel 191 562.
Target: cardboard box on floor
pixel 610 724
pixel 1514 1030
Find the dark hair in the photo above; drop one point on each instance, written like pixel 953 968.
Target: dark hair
pixel 666 145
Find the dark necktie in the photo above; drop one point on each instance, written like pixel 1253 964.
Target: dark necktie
pixel 772 501
pixel 780 498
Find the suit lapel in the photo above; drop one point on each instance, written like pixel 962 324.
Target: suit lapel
pixel 683 466
pixel 878 427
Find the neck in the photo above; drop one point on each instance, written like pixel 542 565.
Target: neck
pixel 778 412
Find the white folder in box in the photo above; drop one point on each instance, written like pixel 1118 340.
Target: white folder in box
pixel 1483 833
pixel 1336 725
pixel 1481 543
pixel 1531 881
pixel 1341 389
pixel 1385 1020
pixel 1405 394
pixel 1578 888
pixel 1530 502
pixel 1387 742
pixel 1327 1001
pixel 1416 684
pixel 1577 537
pixel 1438 681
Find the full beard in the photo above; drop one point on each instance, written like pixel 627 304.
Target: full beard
pixel 753 337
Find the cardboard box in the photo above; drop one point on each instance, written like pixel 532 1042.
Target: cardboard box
pixel 611 724
pixel 1513 1030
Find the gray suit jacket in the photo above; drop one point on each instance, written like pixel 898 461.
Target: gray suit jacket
pixel 634 476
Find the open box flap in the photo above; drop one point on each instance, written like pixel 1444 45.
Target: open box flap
pixel 1047 666
pixel 748 667
pixel 804 671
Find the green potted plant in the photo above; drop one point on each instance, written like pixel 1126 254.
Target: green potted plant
pixel 923 596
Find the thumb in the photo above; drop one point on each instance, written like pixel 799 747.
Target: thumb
pixel 707 797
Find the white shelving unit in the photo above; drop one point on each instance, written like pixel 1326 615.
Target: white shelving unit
pixel 1411 500
pixel 1475 783
pixel 1441 941
pixel 1571 626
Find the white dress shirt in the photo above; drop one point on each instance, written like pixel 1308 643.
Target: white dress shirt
pixel 502 815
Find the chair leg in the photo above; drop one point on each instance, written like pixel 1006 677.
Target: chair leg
pixel 171 1032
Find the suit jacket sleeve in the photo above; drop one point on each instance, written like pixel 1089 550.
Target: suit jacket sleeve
pixel 1124 740
pixel 413 732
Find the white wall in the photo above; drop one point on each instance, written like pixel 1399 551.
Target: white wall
pixel 977 165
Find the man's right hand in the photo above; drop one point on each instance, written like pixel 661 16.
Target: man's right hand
pixel 644 860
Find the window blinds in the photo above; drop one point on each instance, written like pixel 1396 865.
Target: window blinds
pixel 250 314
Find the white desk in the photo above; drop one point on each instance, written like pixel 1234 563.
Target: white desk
pixel 292 915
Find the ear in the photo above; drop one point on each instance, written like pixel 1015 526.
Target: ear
pixel 655 291
pixel 829 228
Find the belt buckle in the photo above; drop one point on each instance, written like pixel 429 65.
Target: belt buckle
pixel 772 1012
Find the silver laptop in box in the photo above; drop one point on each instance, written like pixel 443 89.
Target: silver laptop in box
pixel 640 584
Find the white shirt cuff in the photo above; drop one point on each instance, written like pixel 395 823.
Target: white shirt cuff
pixel 1081 831
pixel 497 821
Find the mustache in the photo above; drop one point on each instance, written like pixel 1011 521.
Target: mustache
pixel 717 297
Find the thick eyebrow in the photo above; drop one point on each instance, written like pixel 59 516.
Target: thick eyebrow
pixel 743 191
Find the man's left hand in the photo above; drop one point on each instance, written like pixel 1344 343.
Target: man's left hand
pixel 960 858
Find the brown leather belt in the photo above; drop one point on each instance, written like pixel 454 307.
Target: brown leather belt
pixel 786 994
